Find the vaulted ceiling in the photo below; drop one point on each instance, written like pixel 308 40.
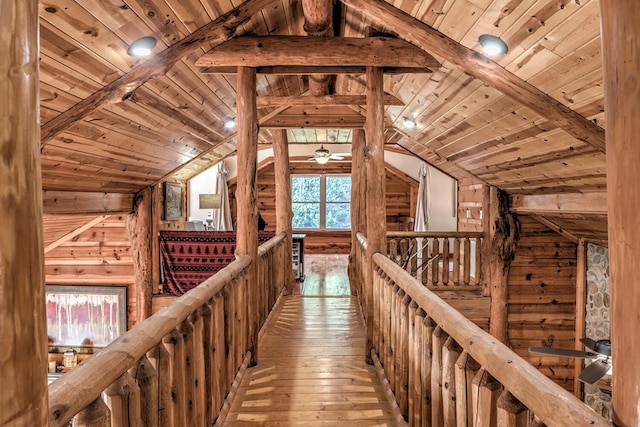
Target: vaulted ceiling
pixel 530 122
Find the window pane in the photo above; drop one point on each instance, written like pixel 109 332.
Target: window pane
pixel 305 188
pixel 338 189
pixel 338 215
pixel 306 215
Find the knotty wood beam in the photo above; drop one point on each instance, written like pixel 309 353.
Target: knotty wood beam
pixel 67 237
pixel 256 51
pixel 312 101
pixel 318 22
pixel 555 227
pixel 375 189
pixel 70 202
pixel 284 70
pixel 138 226
pixel 23 325
pixel 621 45
pixel 593 203
pixel 314 121
pixel 358 203
pixel 218 31
pixel 480 67
pixel 246 195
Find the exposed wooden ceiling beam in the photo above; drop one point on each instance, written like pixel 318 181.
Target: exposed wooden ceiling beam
pixel 555 227
pixel 318 22
pixel 319 121
pixel 256 51
pixel 593 203
pixel 214 33
pixel 309 101
pixel 475 64
pixel 305 69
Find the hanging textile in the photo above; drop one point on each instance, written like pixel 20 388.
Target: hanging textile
pixel 222 217
pixel 423 206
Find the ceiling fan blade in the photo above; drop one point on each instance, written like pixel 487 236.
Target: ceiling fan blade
pixel 596 370
pixel 588 343
pixel 566 352
pixel 336 157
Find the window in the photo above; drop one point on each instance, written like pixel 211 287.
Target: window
pixel 321 202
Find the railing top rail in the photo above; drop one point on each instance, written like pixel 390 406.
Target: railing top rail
pixel 78 388
pixel 436 234
pixel 271 244
pixel 552 403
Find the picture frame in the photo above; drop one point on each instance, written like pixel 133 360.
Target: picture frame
pixel 85 316
pixel 173 201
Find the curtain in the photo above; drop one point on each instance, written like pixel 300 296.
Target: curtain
pixel 222 217
pixel 423 206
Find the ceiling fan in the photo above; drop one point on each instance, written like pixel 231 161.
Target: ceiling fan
pixel 600 350
pixel 322 155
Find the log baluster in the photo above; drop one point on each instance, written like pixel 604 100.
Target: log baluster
pixel 486 391
pixel 424 270
pixel 175 347
pixel 161 360
pixel 393 336
pixel 456 261
pixel 439 339
pixel 466 278
pixel 435 265
pixel 402 372
pixel 220 350
pixel 415 416
pixel 123 398
pixel 412 359
pixel 199 377
pixel 97 414
pixel 146 377
pixel 426 369
pixel 186 329
pixel 450 354
pixel 412 266
pixel 445 261
pixel 210 410
pixel 465 370
pixel 511 412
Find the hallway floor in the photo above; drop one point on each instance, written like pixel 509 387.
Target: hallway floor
pixel 311 369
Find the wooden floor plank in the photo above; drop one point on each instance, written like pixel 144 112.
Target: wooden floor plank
pixel 311 370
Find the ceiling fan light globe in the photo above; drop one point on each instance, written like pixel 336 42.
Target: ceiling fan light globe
pixel 322 160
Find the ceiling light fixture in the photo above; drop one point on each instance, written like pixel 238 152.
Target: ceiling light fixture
pixel 142 47
pixel 408 122
pixel 230 124
pixel 493 45
pixel 322 155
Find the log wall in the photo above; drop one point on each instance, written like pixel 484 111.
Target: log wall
pixel 471 198
pixel 399 193
pixel 98 256
pixel 542 298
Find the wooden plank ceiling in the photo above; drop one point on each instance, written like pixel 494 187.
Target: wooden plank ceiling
pixel 113 123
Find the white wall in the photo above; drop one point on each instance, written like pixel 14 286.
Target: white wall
pixel 443 187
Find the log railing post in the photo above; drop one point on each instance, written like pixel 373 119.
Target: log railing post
pixel 186 329
pixel 418 385
pixel 428 329
pixel 402 385
pixel 438 341
pixel 465 371
pixel 246 195
pixel 161 360
pixel 219 343
pixel 450 354
pixel 456 261
pixel 198 369
pixel 511 412
pixel 174 345
pixel 486 390
pixel 23 325
pixel 412 360
pixel 210 407
pixel 284 212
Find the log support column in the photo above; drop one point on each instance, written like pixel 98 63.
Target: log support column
pixel 358 205
pixel 138 225
pixel 23 325
pixel 375 190
pixel 247 233
pixel 284 212
pixel 502 231
pixel 621 54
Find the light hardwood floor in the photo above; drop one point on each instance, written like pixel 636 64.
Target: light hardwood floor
pixel 311 370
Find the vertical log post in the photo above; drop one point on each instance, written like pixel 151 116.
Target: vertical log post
pixel 438 340
pixel 284 212
pixel 621 47
pixel 146 377
pixel 450 354
pixel 175 349
pixel 318 22
pixel 581 309
pixel 511 412
pixel 358 204
pixel 123 397
pixel 246 194
pixel 23 326
pixel 138 225
pixel 503 238
pixel 161 359
pixel 376 209
pixel 486 390
pixel 426 368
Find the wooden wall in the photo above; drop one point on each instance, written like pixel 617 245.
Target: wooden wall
pixel 542 298
pixel 401 193
pixel 471 197
pixel 90 250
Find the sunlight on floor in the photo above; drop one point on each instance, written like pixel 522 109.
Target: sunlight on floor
pixel 325 275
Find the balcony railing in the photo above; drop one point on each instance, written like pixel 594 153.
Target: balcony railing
pixel 439 260
pixel 445 370
pixel 176 367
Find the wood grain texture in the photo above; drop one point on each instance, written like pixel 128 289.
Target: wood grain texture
pixel 312 371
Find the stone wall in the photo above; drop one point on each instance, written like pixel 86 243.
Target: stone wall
pixel 597 318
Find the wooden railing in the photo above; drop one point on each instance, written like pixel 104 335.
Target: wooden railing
pixel 176 367
pixel 444 370
pixel 438 259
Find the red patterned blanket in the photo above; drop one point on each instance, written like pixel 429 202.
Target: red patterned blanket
pixel 191 257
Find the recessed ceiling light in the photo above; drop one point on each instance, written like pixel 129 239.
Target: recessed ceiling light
pixel 142 47
pixel 408 122
pixel 230 124
pixel 493 45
